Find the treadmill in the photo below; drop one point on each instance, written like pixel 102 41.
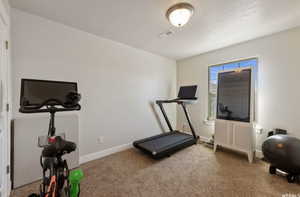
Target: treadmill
pixel 165 144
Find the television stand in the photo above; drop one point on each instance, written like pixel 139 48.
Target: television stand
pixel 235 135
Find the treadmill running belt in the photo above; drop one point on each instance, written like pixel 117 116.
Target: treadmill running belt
pixel 165 142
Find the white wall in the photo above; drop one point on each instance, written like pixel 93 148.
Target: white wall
pixel 6 5
pixel 117 82
pixel 278 77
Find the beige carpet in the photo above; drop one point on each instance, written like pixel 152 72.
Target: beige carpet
pixel 195 171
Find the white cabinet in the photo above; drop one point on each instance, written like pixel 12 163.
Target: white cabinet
pixel 236 136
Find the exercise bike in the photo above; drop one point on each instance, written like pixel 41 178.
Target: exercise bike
pixel 57 180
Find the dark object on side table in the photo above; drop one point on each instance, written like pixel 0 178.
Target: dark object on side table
pixel 277 132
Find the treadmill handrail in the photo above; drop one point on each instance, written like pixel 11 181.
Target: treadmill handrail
pixel 179 102
pixel 165 115
pixel 189 120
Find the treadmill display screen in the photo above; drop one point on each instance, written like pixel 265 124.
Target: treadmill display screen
pixel 187 92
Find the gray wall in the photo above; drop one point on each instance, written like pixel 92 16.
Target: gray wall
pixel 117 82
pixel 278 80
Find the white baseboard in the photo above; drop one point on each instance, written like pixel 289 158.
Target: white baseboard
pixel 103 153
pixel 259 154
pixel 204 139
pixel 9 188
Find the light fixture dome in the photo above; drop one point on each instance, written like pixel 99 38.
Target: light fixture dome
pixel 180 14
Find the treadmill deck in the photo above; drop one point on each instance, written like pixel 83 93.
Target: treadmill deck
pixel 163 144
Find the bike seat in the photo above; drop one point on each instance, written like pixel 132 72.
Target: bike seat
pixel 58 147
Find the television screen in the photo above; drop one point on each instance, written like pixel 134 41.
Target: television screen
pixel 187 92
pixel 35 92
pixel 234 93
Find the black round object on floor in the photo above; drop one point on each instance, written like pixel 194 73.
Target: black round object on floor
pixel 282 152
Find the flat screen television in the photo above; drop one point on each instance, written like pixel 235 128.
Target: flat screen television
pixel 35 92
pixel 187 92
pixel 234 95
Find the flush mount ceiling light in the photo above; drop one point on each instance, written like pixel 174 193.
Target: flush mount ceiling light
pixel 180 14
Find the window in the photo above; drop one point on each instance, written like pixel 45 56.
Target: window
pixel 213 81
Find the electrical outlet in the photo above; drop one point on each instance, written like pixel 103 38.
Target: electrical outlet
pixel 260 131
pixel 100 140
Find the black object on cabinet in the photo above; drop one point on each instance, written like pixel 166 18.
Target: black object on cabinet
pixel 234 95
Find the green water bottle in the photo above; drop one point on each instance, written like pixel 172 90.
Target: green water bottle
pixel 75 177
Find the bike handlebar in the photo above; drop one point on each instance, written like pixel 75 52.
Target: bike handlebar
pixel 50 107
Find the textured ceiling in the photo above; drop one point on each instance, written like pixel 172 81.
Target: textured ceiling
pixel 138 23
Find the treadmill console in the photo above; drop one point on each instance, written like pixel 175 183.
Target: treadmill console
pixel 187 92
